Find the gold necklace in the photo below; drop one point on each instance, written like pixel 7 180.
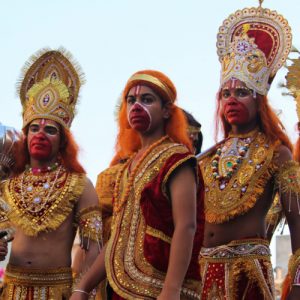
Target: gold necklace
pixel 232 166
pixel 37 203
pixel 118 204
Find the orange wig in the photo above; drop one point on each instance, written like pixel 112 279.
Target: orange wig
pixel 68 153
pixel 268 122
pixel 128 140
pixel 296 152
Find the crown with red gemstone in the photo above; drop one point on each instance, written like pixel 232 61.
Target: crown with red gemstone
pixel 253 44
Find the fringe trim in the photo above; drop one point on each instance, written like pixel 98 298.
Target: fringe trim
pixel 245 206
pixel 253 275
pixel 54 217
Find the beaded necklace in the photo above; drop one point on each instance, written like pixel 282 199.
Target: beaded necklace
pixel 242 151
pixel 119 203
pixel 35 170
pixel 38 202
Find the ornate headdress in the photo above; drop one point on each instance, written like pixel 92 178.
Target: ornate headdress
pixel 50 86
pixel 155 80
pixel 253 44
pixel 293 81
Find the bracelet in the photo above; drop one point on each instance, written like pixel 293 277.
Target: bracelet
pixel 81 291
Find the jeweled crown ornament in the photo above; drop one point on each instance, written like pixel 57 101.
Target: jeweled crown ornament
pixel 8 139
pixel 50 86
pixel 253 43
pixel 293 81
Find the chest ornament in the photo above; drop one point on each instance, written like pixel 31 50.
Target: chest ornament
pixel 236 175
pixel 40 202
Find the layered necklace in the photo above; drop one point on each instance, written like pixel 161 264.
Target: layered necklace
pixel 37 187
pixel 130 181
pixel 230 155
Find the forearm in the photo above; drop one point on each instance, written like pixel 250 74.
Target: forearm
pixel 94 275
pixel 180 256
pixel 90 256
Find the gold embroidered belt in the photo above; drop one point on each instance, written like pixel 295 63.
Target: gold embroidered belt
pixel 238 270
pixel 36 284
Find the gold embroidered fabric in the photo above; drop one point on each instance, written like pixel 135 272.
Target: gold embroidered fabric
pixel 294 263
pixel 90 225
pixel 223 268
pixel 224 201
pixel 40 203
pixel 128 272
pixel 105 190
pixel 35 284
pixel 288 178
pixel 49 87
pixel 4 208
pixel 158 234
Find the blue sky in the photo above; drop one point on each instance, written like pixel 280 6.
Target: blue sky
pixel 114 38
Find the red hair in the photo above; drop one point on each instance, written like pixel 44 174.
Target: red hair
pixel 68 153
pixel 268 121
pixel 128 140
pixel 296 152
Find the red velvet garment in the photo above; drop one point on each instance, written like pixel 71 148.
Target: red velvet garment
pixel 116 297
pixel 157 211
pixel 244 287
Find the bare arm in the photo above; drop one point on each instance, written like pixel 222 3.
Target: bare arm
pixel 91 246
pixel 91 278
pixel 290 203
pixel 183 192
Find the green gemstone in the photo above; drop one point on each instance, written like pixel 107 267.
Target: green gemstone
pixel 229 164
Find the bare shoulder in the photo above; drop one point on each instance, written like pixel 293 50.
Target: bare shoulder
pixel 89 196
pixel 283 154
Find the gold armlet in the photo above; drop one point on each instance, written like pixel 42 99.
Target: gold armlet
pixel 288 182
pixel 90 225
pixel 294 267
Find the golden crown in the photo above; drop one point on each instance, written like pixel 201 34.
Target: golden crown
pixel 50 86
pixel 253 44
pixel 293 81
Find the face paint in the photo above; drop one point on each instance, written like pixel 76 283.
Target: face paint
pixel 238 104
pixel 235 112
pixel 137 90
pixel 43 136
pixel 139 117
pixel 233 82
pixel 40 148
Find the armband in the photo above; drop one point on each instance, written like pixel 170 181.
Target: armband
pixel 90 225
pixel 288 182
pixel 294 268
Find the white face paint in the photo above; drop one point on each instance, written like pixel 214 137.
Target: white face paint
pixel 138 106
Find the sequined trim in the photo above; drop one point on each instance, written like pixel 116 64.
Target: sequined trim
pixel 224 202
pixel 174 167
pixel 51 215
pixel 129 273
pixel 231 260
pixel 36 284
pixel 158 234
pixel 90 225
pixel 288 182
